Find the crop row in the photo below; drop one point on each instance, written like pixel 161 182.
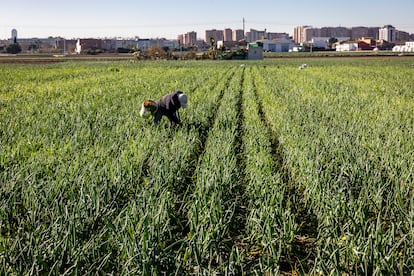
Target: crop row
pixel 271 221
pixel 156 218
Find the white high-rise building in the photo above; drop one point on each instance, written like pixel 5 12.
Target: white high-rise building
pixel 387 33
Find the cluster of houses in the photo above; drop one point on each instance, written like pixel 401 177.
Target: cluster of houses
pixel 62 45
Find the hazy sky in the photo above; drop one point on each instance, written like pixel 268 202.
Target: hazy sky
pixel 167 18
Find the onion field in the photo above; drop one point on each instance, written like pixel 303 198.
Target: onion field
pixel 275 170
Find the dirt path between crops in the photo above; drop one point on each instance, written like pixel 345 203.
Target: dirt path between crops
pixel 28 61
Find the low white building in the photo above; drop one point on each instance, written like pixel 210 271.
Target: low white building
pixel 408 47
pixel 323 42
pixel 347 47
pixel 278 45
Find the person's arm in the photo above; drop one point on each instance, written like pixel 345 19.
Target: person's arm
pixel 174 118
pixel 157 117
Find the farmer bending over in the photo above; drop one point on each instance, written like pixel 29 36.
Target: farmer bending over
pixel 166 106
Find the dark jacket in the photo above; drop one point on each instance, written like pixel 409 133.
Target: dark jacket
pixel 168 106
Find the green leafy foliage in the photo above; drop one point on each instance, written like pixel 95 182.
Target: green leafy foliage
pixel 274 170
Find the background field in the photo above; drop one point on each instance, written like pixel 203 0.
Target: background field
pixel 275 169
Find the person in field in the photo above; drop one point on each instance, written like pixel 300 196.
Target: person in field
pixel 167 106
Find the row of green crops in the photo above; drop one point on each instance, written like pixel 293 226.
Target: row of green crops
pixel 155 240
pixel 274 170
pixel 213 201
pixel 271 221
pixel 347 136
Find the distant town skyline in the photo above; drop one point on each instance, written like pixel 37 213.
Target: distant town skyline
pixel 168 19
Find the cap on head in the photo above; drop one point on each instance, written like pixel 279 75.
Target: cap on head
pixel 183 98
